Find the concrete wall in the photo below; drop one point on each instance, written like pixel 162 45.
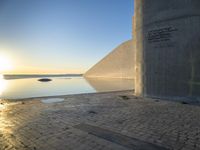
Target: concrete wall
pixel 118 64
pixel 167 42
pixel 138 46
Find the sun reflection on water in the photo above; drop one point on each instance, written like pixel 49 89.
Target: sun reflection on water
pixel 1 76
pixel 3 84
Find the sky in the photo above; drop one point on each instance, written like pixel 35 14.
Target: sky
pixel 60 36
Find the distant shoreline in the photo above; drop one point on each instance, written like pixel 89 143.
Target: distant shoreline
pixel 21 76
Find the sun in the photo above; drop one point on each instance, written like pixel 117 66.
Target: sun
pixel 5 63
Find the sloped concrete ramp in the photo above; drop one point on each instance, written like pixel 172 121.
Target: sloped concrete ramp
pixel 118 64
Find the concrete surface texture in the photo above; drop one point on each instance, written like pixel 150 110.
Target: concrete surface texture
pixel 167 35
pixel 104 121
pixel 118 64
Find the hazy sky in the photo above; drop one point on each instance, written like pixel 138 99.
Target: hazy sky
pixel 61 36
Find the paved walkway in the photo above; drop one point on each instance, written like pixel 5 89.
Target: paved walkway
pixel 106 121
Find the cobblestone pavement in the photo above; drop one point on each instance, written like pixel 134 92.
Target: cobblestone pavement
pixel 102 121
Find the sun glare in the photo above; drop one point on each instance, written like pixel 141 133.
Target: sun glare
pixel 5 63
pixel 3 84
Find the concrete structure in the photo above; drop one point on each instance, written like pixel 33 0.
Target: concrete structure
pixel 118 64
pixel 167 40
pixel 164 56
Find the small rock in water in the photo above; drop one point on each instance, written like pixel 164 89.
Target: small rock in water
pixel 44 80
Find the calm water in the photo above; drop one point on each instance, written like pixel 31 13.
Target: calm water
pixel 31 87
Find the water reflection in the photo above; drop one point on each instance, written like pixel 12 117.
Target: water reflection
pixel 109 84
pixel 3 84
pixel 30 87
pixel 52 100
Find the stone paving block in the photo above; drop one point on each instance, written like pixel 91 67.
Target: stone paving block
pixel 35 125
